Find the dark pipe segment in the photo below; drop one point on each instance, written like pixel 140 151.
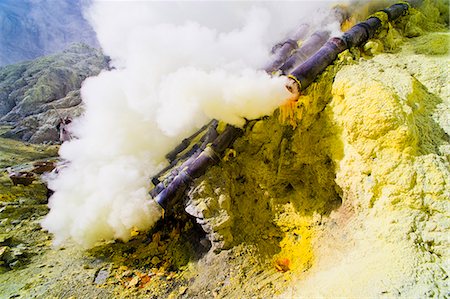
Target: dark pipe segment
pixel 309 47
pixel 174 191
pixel 280 52
pixel 168 193
pixel 174 157
pixel 361 32
pixel 307 72
pixel 171 156
pixel 195 167
pixel 397 10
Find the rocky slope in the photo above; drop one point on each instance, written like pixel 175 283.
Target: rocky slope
pixel 31 29
pixel 34 95
pixel 350 197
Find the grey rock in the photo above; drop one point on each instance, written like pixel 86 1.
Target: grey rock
pixel 35 95
pixel 102 275
pixel 211 210
pixel 15 264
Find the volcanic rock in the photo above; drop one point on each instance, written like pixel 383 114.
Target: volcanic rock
pixel 35 95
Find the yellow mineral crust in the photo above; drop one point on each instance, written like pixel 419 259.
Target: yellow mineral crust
pixel 347 196
pixel 390 237
pixel 295 248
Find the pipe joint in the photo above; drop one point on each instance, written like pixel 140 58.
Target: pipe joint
pixel 293 85
pixel 361 32
pixel 338 43
pixel 212 154
pixel 292 44
pixel 397 10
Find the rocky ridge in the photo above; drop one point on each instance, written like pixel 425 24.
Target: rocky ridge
pixel 34 95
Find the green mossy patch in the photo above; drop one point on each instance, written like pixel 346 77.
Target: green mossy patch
pixel 432 44
pixel 13 152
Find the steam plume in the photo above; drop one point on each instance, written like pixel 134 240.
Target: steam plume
pixel 176 66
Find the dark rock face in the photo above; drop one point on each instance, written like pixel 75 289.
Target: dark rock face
pixel 33 28
pixel 35 95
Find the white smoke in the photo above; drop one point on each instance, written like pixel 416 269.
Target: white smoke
pixel 177 65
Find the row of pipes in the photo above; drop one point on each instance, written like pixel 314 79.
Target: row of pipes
pixel 301 64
